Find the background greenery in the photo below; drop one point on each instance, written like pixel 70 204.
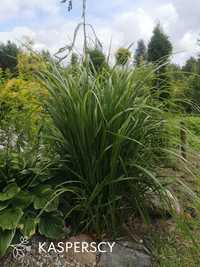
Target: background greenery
pixel 89 142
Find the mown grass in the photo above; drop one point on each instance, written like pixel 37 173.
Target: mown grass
pixel 192 126
pixel 177 242
pixel 178 247
pixel 172 242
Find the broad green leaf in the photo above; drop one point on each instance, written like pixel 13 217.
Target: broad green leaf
pixel 46 203
pixel 45 199
pixel 42 190
pixel 28 226
pixel 51 225
pixel 6 238
pixel 9 218
pixel 9 192
pixel 3 205
pixel 23 199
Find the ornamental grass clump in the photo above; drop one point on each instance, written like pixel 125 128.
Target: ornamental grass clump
pixel 107 131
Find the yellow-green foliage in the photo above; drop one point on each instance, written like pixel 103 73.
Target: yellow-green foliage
pixel 1 77
pixel 122 56
pixel 179 89
pixel 20 102
pixel 29 64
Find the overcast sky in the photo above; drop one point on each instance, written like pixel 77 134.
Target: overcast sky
pixel 49 24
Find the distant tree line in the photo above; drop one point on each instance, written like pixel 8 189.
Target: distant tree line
pixel 8 56
pixel 157 52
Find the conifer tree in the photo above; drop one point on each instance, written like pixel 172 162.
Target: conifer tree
pixel 160 47
pixel 140 53
pixel 159 52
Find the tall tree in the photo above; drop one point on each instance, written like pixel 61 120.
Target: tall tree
pixel 140 53
pixel 191 66
pixel 74 59
pixel 191 70
pixel 159 47
pixel 97 59
pixel 8 56
pixel 159 51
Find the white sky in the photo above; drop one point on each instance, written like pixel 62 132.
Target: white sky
pixel 49 24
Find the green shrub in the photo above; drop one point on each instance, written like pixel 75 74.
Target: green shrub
pixel 122 56
pixel 97 60
pixel 108 132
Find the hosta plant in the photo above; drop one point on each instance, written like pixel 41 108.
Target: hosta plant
pixel 29 198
